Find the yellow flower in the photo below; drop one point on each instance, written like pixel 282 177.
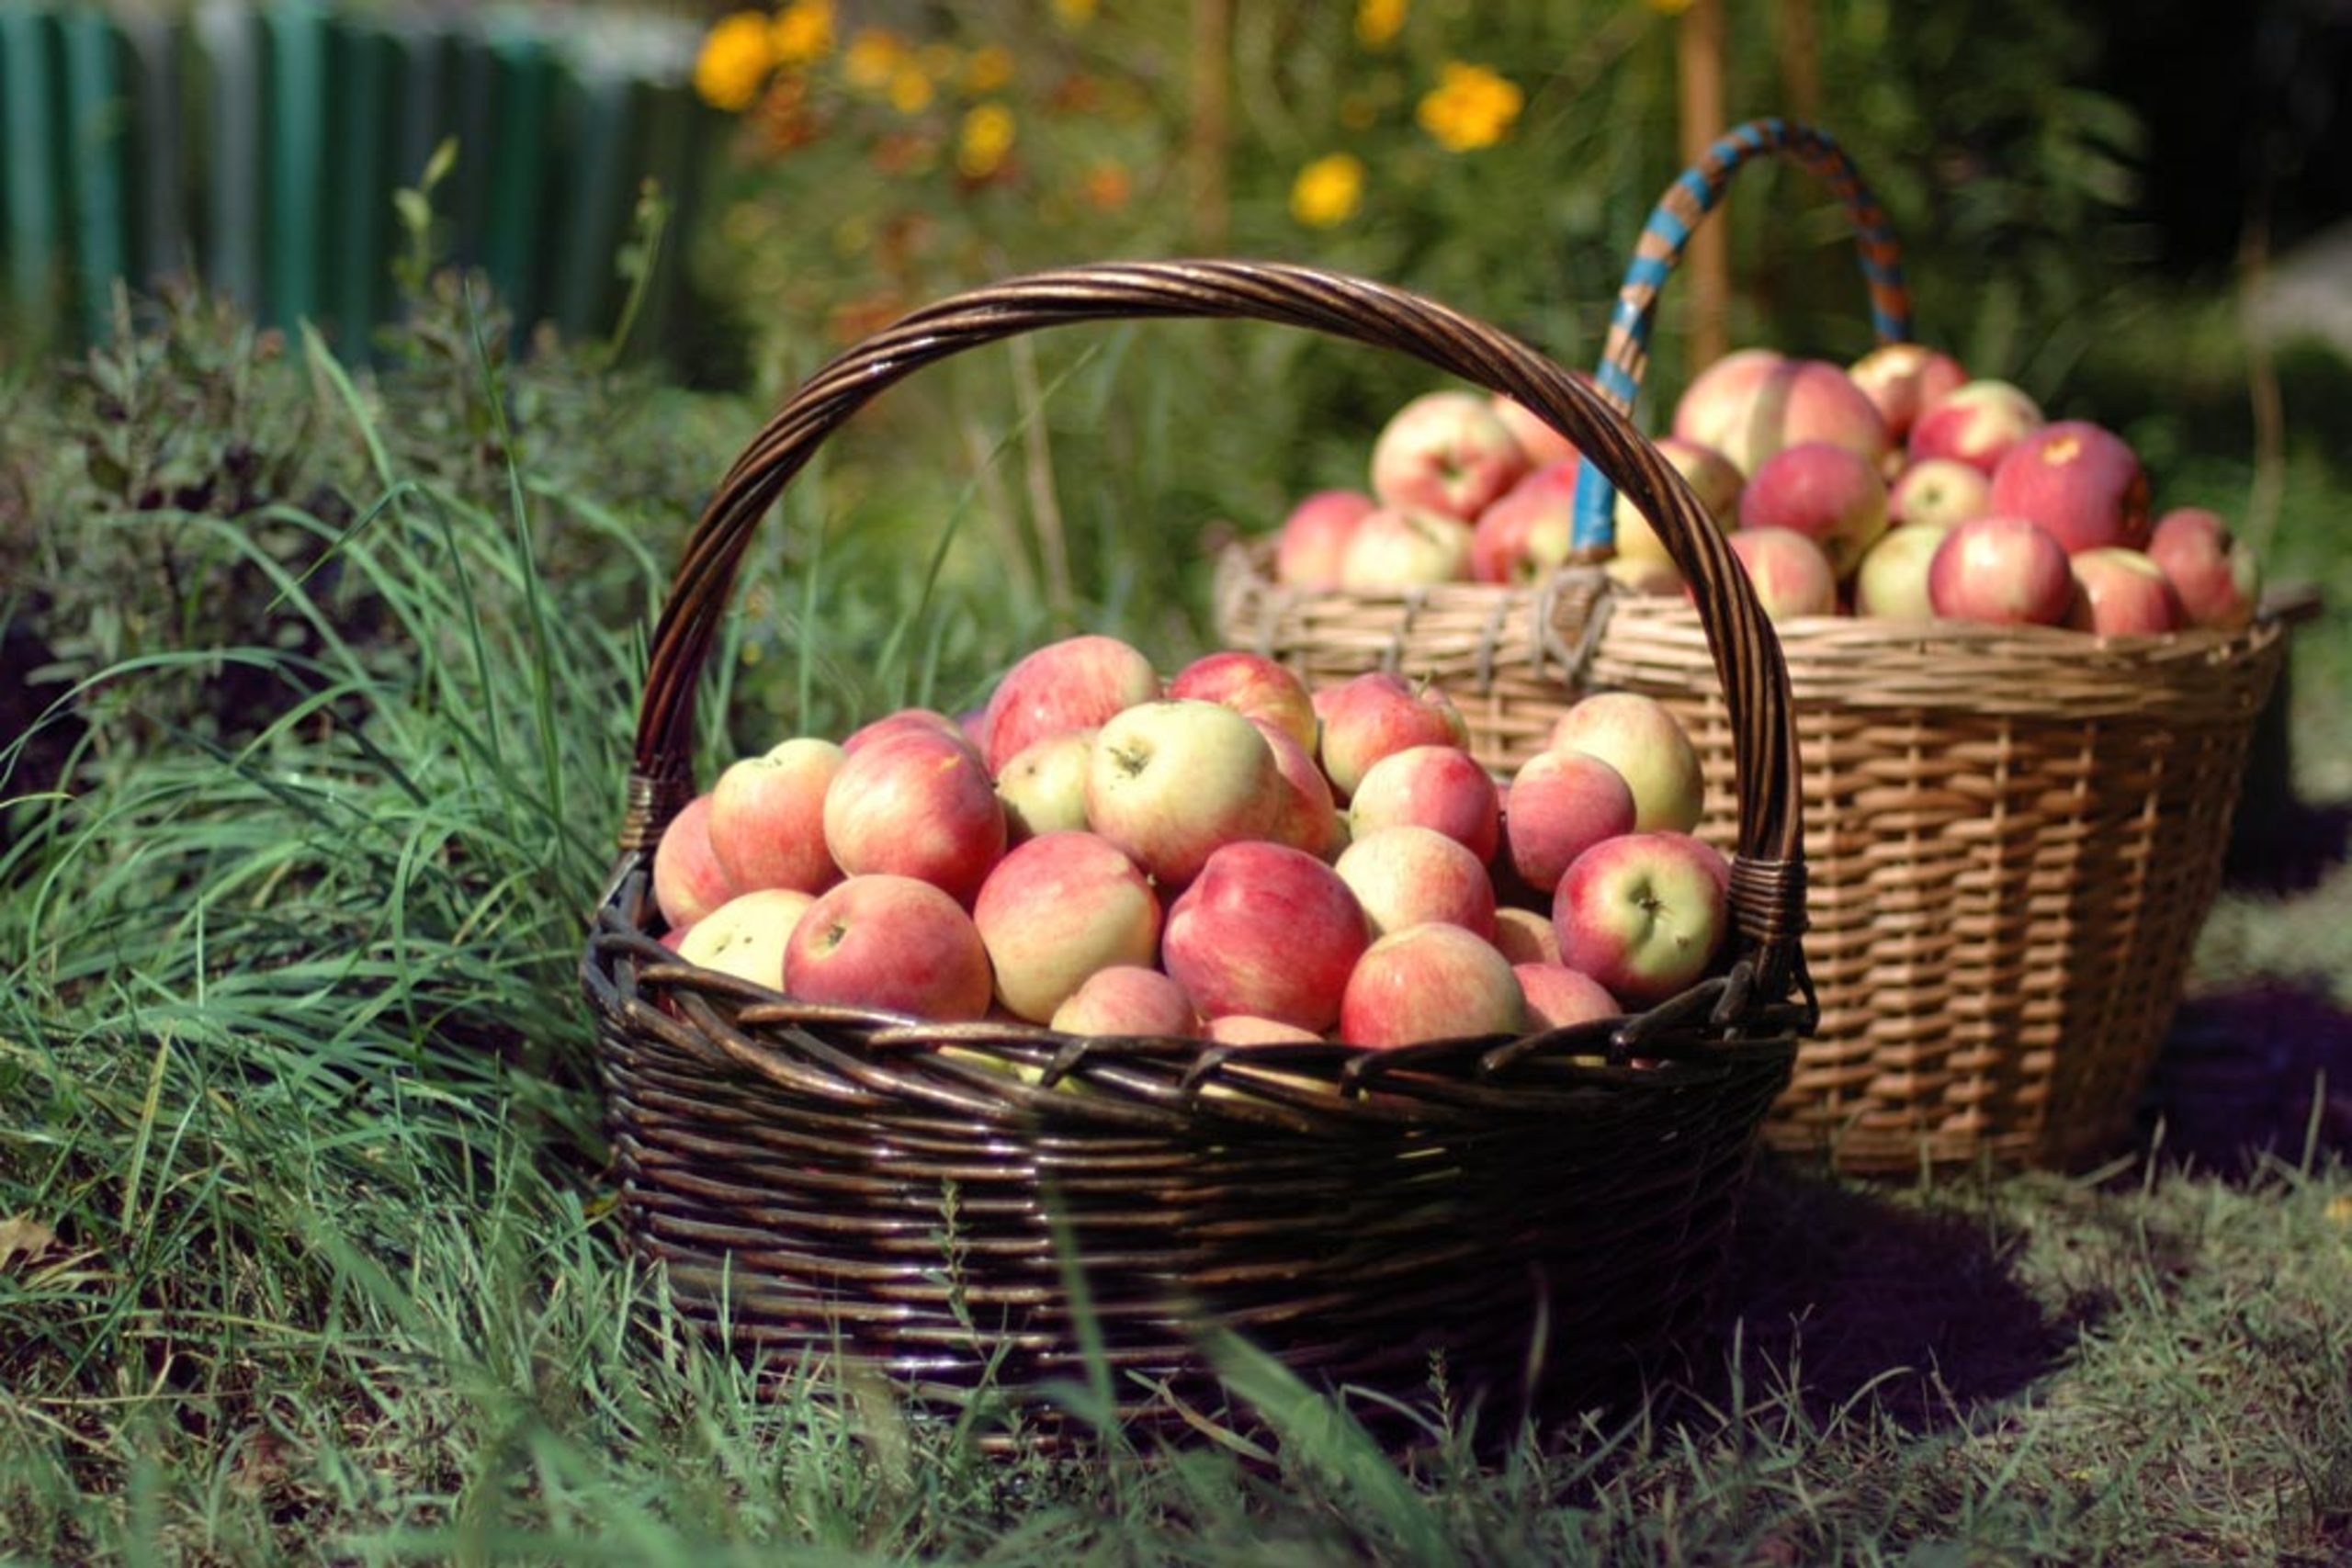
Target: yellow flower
pixel 1379 21
pixel 1470 108
pixel 986 138
pixel 874 57
pixel 736 56
pixel 910 89
pixel 1328 190
pixel 802 31
pixel 1671 7
pixel 989 68
pixel 1074 13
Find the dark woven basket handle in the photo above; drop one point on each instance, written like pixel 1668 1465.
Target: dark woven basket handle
pixel 1624 356
pixel 1767 894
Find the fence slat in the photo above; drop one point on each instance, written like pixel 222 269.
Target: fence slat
pixel 96 114
pixel 27 113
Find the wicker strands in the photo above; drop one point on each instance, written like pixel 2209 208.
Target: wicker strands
pixel 953 1206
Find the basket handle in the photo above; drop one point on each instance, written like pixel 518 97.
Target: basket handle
pixel 1768 898
pixel 1625 354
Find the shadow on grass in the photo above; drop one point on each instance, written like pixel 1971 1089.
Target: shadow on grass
pixel 2263 1069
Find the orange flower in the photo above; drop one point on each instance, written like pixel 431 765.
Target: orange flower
pixel 1328 190
pixel 737 55
pixel 989 68
pixel 1379 21
pixel 1470 108
pixel 986 138
pixel 802 31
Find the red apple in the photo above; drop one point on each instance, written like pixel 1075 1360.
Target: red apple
pixel 1791 402
pixel 1044 786
pixel 1251 686
pixel 2216 575
pixel 2002 572
pixel 1892 584
pixel 1307 817
pixel 1172 781
pixel 1526 937
pixel 746 936
pixel 1712 479
pixel 1314 538
pixel 2084 485
pixel 1399 547
pixel 1076 683
pixel 1558 996
pixel 1054 911
pixel 1430 786
pixel 1430 981
pixel 2121 592
pixel 688 881
pixel 1525 534
pixel 1376 713
pixel 1267 930
pixel 1642 914
pixel 1128 999
pixel 1792 574
pixel 767 816
pixel 1717 400
pixel 928 720
pixel 1829 494
pixel 1939 492
pixel 1976 424
pixel 1243 1029
pixel 1539 443
pixel 1563 803
pixel 1407 876
pixel 891 944
pixel 1445 452
pixel 919 806
pixel 1640 738
pixel 1901 379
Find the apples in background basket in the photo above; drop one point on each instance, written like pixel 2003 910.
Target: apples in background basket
pixel 1171 782
pixel 1936 492
pixel 1642 914
pixel 2215 573
pixel 1829 494
pixel 746 936
pixel 1267 931
pixel 1376 715
pixel 1525 534
pixel 1640 738
pixel 1712 479
pixel 1903 378
pixel 1977 424
pixel 1054 911
pixel 1749 409
pixel 1313 539
pixel 1128 999
pixel 1076 683
pixel 1792 575
pixel 1397 548
pixel 1430 981
pixel 2082 483
pixel 1892 583
pixel 767 816
pixel 2002 572
pixel 1539 443
pixel 891 944
pixel 2121 592
pixel 688 881
pixel 916 805
pixel 1447 452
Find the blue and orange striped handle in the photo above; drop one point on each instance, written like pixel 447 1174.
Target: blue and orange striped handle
pixel 1626 353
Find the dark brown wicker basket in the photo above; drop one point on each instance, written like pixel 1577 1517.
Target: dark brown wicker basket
pixel 959 1206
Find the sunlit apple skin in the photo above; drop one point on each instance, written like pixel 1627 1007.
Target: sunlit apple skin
pixel 1786 403
pixel 1265 931
pixel 1829 494
pixel 2003 572
pixel 1044 786
pixel 1128 999
pixel 1525 534
pixel 1558 996
pixel 767 816
pixel 1057 909
pixel 2121 592
pixel 2081 483
pixel 929 720
pixel 1253 686
pixel 1243 1029
pixel 1313 539
pixel 1936 492
pixel 2216 575
pixel 1640 738
pixel 1408 876
pixel 1172 781
pixel 746 936
pixel 1892 583
pixel 919 806
pixel 1563 803
pixel 1792 576
pixel 1446 452
pixel 1399 547
pixel 1430 981
pixel 1539 443
pixel 1977 424
pixel 1903 378
pixel 1712 407
pixel 891 944
pixel 1442 787
pixel 1712 478
pixel 688 881
pixel 1372 716
pixel 1642 914
pixel 1076 683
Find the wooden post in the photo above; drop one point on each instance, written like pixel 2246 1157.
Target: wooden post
pixel 1210 132
pixel 1798 34
pixel 1705 261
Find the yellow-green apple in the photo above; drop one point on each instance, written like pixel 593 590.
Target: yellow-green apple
pixel 1830 494
pixel 1712 479
pixel 1524 936
pixel 2003 572
pixel 1374 714
pixel 1057 909
pixel 1649 579
pixel 1307 818
pixel 1640 738
pixel 1538 441
pixel 1172 781
pixel 916 805
pixel 892 943
pixel 1446 452
pixel 1253 685
pixel 1524 535
pixel 1976 424
pixel 1792 574
pixel 2082 483
pixel 1892 583
pixel 1313 537
pixel 1558 996
pixel 2216 575
pixel 1901 379
pixel 2119 591
pixel 688 881
pixel 1430 981
pixel 1266 931
pixel 1642 914
pixel 929 720
pixel 1246 1029
pixel 1128 999
pixel 1075 683
pixel 745 937
pixel 1790 402
pixel 1397 548
pixel 1044 786
pixel 1408 876
pixel 1939 492
pixel 767 816
pixel 1563 803
pixel 1431 787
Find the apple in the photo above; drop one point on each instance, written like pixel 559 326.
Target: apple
pixel 1939 492
pixel 1398 547
pixel 1901 379
pixel 2121 592
pixel 916 805
pixel 1791 402
pixel 1831 495
pixel 2083 483
pixel 1044 786
pixel 1524 936
pixel 1054 911
pixel 1314 538
pixel 1640 738
pixel 1375 714
pixel 1445 452
pixel 1892 583
pixel 1712 479
pixel 1792 573
pixel 929 720
pixel 1718 399
pixel 1431 787
pixel 1251 686
pixel 1169 782
pixel 891 944
pixel 1526 533
pixel 746 936
pixel 1128 999
pixel 1246 1029
pixel 688 881
pixel 1430 981
pixel 1649 579
pixel 1076 683
pixel 1266 931
pixel 1558 996
pixel 1642 914
pixel 1976 424
pixel 1407 876
pixel 767 816
pixel 1563 803
pixel 1539 443
pixel 2002 572
pixel 2216 575
pixel 1307 817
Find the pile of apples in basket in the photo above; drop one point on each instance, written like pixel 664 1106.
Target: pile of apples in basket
pixel 1220 854
pixel 1895 488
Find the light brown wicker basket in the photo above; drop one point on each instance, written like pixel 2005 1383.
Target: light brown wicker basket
pixel 2013 836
